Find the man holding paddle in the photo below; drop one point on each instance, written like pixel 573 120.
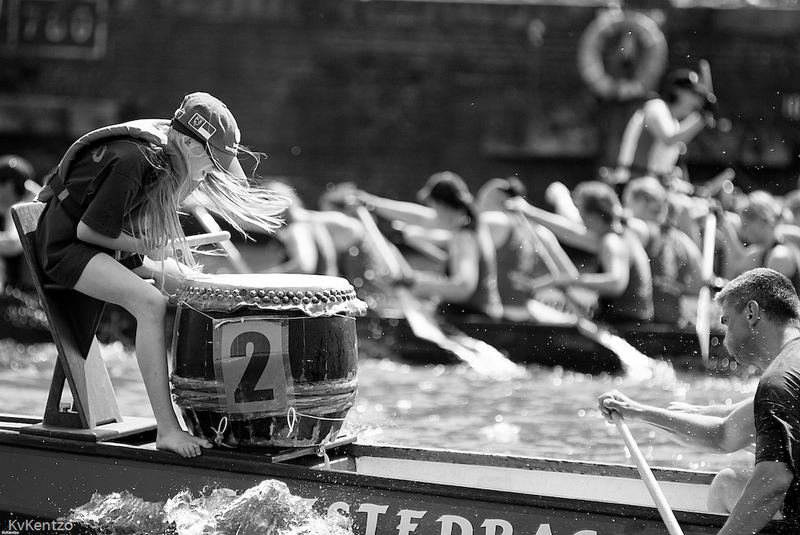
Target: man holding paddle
pixel 761 313
pixel 659 131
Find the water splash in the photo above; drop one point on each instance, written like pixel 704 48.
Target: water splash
pixel 268 508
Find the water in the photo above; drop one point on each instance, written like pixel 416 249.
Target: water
pixel 268 508
pixel 541 412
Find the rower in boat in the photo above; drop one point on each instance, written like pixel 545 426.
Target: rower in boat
pixel 307 243
pixel 518 257
pixel 624 282
pixel 675 259
pixel 658 132
pixel 469 282
pixel 760 312
pixel 757 241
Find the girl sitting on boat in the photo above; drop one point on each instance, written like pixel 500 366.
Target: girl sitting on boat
pixel 111 221
pixel 623 281
pixel 469 281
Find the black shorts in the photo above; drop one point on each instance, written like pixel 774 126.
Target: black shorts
pixel 60 253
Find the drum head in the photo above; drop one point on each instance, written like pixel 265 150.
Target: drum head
pixel 314 295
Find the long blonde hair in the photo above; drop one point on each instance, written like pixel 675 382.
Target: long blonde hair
pixel 243 204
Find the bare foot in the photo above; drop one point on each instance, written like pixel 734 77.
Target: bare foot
pixel 181 442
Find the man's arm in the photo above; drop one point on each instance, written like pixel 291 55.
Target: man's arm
pixel 410 212
pixel 658 120
pixel 761 499
pixel 567 231
pixel 728 434
pixel 716 409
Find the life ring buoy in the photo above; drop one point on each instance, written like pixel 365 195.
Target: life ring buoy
pixel 640 48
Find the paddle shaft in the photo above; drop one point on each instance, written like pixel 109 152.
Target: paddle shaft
pixel 397 265
pixel 207 238
pixel 705 75
pixel 538 243
pixel 647 476
pixel 547 258
pixel 210 224
pixel 421 325
pixel 703 322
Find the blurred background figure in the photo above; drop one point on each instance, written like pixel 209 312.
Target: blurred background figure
pixel 675 259
pixel 514 253
pixel 518 251
pixel 789 227
pixel 469 281
pixel 757 242
pixel 623 280
pixel 658 132
pixel 17 184
pixel 307 244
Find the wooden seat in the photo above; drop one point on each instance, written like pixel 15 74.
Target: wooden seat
pixel 73 318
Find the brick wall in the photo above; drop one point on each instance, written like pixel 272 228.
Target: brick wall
pixel 387 92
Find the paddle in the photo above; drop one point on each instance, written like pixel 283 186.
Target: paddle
pixel 703 320
pixel 647 476
pixel 208 222
pixel 629 356
pixel 207 238
pixel 479 355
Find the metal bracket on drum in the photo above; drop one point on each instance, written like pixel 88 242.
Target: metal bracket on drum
pixel 279 455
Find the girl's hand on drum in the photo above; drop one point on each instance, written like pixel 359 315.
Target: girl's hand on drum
pixel 159 253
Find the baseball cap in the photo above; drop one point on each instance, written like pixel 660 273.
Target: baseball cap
pixel 209 121
pixel 687 79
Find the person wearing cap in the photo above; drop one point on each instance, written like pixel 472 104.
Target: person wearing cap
pixel 469 282
pixel 756 242
pixel 17 184
pixel 658 132
pixel 111 221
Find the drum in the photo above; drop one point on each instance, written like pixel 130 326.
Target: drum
pixel 265 360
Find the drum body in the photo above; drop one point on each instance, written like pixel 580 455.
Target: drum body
pixel 265 360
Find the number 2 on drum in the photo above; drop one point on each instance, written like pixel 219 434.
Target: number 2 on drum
pixel 248 390
pixel 252 363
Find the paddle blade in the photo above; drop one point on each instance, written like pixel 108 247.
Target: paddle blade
pixel 703 321
pixel 478 355
pixel 635 364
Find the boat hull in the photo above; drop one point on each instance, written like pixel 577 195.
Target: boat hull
pixel 549 344
pixel 381 489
